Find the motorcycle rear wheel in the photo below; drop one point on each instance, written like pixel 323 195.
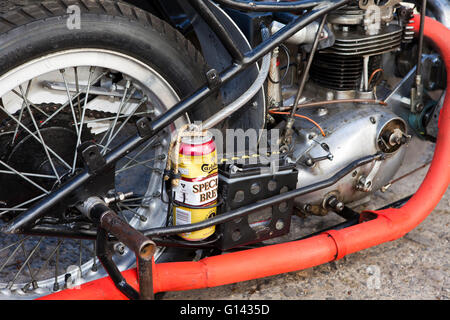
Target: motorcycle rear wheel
pixel 37 42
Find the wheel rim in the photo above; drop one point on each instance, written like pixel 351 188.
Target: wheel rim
pixel 161 96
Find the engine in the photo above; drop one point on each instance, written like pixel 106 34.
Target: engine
pixel 342 119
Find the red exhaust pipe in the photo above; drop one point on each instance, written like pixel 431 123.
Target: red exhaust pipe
pixel 229 268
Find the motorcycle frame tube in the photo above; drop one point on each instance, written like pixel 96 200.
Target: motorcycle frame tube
pixel 231 215
pixel 389 224
pixel 291 6
pixel 26 219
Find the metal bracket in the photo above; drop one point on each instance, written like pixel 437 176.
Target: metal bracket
pixel 92 157
pixel 143 127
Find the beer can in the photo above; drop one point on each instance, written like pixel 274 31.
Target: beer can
pixel 195 197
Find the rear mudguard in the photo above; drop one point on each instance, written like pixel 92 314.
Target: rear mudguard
pixel 389 224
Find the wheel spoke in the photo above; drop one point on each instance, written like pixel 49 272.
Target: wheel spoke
pixel 47 260
pixel 138 164
pixel 30 271
pixel 33 251
pixel 26 101
pixel 124 123
pixel 126 157
pixel 62 71
pixel 112 125
pixel 18 207
pixel 111 118
pixel 35 175
pixel 13 244
pixel 77 95
pixel 91 72
pixel 24 177
pixel 77 86
pixel 119 110
pixel 149 145
pixel 56 284
pixel 44 145
pixel 21 111
pixel 33 135
pixel 6 133
pixel 19 243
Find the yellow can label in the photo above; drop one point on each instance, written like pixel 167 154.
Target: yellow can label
pixel 197 189
pixel 197 192
pixel 192 167
pixel 188 215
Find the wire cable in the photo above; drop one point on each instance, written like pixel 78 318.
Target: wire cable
pixel 302 117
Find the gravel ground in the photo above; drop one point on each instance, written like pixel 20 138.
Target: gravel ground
pixel 416 266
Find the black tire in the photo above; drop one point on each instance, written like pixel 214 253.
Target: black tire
pixel 32 29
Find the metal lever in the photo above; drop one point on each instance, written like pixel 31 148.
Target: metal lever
pixel 144 248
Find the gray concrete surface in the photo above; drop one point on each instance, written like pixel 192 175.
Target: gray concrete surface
pixel 416 266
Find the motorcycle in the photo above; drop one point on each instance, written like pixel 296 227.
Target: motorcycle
pixel 179 137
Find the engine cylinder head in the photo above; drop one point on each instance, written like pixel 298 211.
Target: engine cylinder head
pixel 359 34
pixel 339 72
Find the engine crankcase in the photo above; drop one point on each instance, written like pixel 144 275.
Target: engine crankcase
pixel 353 131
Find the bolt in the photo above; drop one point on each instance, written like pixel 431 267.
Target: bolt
pixel 309 162
pixel 339 206
pixel 119 248
pixel 334 203
pixel 373 120
pixel 279 225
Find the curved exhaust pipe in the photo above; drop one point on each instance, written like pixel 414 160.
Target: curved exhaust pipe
pixel 390 224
